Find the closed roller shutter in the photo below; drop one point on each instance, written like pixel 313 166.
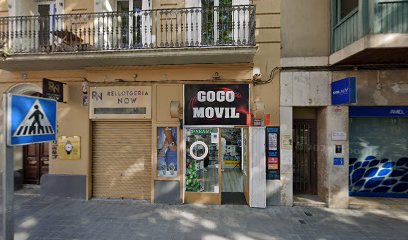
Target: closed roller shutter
pixel 121 159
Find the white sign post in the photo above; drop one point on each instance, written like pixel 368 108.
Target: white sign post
pixel 26 120
pixel 8 180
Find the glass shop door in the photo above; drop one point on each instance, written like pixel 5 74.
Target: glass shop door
pixel 207 155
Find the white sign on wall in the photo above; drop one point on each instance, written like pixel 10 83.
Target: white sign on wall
pixel 120 102
pixel 339 136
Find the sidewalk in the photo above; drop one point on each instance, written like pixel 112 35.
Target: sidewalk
pixel 54 218
pixel 378 203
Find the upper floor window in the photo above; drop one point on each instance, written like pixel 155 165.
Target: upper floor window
pixel 126 6
pixel 347 6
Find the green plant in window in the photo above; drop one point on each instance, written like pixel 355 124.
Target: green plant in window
pixel 192 183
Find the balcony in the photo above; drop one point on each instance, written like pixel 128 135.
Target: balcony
pixel 163 36
pixel 376 32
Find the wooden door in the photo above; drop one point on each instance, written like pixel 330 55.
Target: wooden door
pixel 304 156
pixel 35 162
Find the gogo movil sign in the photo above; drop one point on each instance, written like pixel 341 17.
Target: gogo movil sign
pixel 216 104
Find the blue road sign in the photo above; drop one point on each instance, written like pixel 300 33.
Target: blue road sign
pixel 31 120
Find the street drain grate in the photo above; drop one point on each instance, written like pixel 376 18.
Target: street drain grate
pixel 308 214
pixel 302 221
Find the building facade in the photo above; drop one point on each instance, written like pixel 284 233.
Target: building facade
pixel 124 127
pixel 353 147
pixel 200 101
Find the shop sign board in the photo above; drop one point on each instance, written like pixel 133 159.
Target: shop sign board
pixel 120 102
pixel 31 120
pixel 383 111
pixel 53 90
pixel 216 104
pixel 344 91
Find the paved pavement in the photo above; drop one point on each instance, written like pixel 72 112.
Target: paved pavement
pixel 53 218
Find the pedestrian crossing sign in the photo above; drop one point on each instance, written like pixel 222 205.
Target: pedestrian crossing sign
pixel 31 120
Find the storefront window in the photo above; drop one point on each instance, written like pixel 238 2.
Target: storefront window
pixel 167 163
pixel 231 147
pixel 202 160
pixel 378 156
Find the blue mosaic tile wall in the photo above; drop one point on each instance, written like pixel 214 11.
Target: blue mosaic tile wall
pixel 379 177
pixel 378 157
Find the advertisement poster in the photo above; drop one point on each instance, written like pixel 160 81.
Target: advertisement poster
pixel 273 141
pixel 216 104
pixel 273 166
pixel 69 148
pixel 272 153
pixel 273 160
pixel 167 152
pixel 120 102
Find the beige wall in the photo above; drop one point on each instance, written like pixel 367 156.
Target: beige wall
pixel 268 55
pixel 73 118
pixel 378 87
pixel 304 113
pixel 3 8
pixel 305 28
pixel 322 155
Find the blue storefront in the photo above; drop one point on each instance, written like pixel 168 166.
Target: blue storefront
pixel 378 151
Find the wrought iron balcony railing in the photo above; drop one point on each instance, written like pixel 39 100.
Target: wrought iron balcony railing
pixel 148 29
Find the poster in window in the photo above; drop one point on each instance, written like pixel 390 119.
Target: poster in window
pixel 167 162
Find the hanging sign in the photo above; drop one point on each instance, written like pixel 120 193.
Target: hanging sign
pixel 216 104
pixel 120 102
pixel 31 120
pixel 344 91
pixel 53 90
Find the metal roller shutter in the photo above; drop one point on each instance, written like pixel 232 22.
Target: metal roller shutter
pixel 121 159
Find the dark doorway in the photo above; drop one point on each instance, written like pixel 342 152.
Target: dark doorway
pixel 44 21
pixel 304 156
pixel 35 162
pixel 233 198
pixel 232 152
